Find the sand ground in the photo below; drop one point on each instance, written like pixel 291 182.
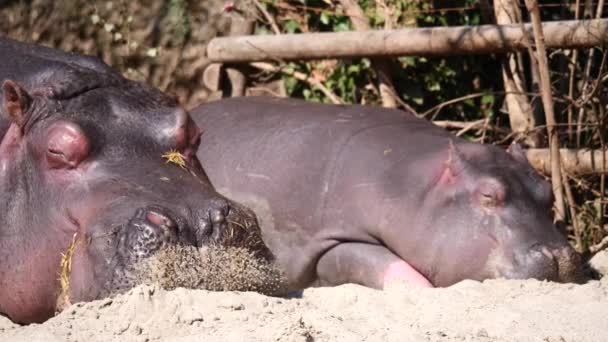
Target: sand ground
pixel 494 310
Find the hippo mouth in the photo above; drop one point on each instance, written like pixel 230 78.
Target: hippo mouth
pixel 560 264
pixel 154 233
pixel 154 229
pixel 242 230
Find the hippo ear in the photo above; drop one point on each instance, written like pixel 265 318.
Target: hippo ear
pixel 517 152
pixel 15 101
pixel 456 160
pixel 453 165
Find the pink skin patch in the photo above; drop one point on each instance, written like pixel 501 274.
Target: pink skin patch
pixel 401 271
pixel 7 148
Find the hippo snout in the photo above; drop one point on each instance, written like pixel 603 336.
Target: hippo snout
pixel 569 265
pixel 538 262
pixel 210 221
pixel 147 231
pixel 544 262
pixel 154 226
pixel 216 222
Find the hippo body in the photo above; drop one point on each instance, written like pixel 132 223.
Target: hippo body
pixel 368 195
pixel 82 169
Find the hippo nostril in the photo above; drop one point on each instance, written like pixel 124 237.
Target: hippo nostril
pixel 148 232
pixel 546 252
pixel 150 228
pixel 212 222
pixel 204 229
pixel 217 216
pixel 160 219
pixel 539 254
pixel 541 263
pixel 139 213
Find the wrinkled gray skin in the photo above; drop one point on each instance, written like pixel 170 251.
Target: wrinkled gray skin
pixel 359 194
pixel 81 154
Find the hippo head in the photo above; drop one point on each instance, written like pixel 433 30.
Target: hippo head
pixel 106 172
pixel 494 213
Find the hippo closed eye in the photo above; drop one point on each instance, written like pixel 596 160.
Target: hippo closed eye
pixel 369 195
pixel 85 172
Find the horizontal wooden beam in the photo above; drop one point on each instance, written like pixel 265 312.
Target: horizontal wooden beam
pixel 435 41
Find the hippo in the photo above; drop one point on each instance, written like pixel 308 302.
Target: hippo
pixel 366 195
pixel 97 172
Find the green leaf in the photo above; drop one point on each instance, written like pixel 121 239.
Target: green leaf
pixel 487 99
pixel 408 60
pixel 418 100
pixel 435 87
pixel 307 93
pixel 341 27
pixel 290 84
pixel 291 26
pixel 354 69
pixel 289 68
pixel 324 18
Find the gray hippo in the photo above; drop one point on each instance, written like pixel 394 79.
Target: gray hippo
pixel 96 173
pixel 348 193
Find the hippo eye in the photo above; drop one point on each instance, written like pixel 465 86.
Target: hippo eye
pixel 489 193
pixel 487 200
pixel 66 145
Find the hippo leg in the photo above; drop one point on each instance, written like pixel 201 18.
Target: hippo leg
pixel 366 264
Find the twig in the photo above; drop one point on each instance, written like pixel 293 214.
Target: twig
pixel 600 119
pixel 587 96
pixel 300 76
pixel 467 126
pixel 572 68
pixel 599 246
pixel 581 112
pixel 435 110
pixel 470 126
pixel 268 17
pixel 482 124
pixel 571 206
pixel 545 85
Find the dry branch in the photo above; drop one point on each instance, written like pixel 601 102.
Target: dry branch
pixel 547 97
pixel 302 77
pixel 581 112
pixel 574 162
pixel 521 113
pixel 385 83
pixel 402 42
pixel 467 126
pixel 600 246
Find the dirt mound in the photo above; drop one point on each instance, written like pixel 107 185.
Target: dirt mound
pixel 495 310
pixel 211 268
